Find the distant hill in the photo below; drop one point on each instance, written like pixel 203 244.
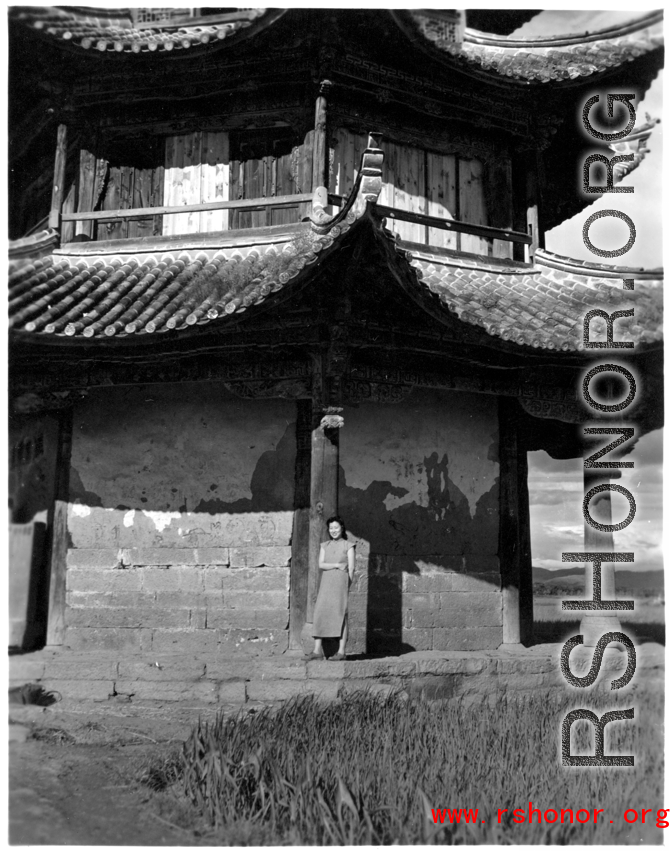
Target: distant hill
pixel 649 581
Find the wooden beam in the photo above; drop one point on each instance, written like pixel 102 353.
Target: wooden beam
pixel 301 525
pixel 58 191
pixel 452 224
pixel 59 533
pixel 137 213
pixel 324 466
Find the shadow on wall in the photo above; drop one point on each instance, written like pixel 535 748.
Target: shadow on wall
pixel 442 533
pixel 271 485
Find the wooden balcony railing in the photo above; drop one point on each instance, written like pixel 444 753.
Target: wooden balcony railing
pixel 57 217
pixel 140 212
pixel 453 225
pixel 291 200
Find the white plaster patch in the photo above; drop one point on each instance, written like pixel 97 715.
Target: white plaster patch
pixel 129 518
pixel 162 519
pixel 80 510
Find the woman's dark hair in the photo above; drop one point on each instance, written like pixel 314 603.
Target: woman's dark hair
pixel 337 519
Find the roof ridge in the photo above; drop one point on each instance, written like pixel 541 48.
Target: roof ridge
pixel 601 270
pixel 607 34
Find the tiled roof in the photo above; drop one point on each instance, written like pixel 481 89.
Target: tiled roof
pixel 100 291
pixel 126 31
pixel 122 294
pixel 119 30
pixel 95 290
pixel 543 305
pixel 548 59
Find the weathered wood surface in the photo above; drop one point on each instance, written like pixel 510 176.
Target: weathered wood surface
pixel 58 190
pixel 92 173
pixel 257 236
pixel 59 534
pixel 426 195
pixel 404 187
pixel 301 524
pixel 472 208
pixel 453 224
pixel 525 552
pixel 514 536
pixel 441 197
pixel 135 213
pixel 86 191
pixel 346 158
pixel 500 247
pixel 67 228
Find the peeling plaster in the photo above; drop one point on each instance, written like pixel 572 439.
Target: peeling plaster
pixel 80 510
pixel 162 519
pixel 427 435
pixel 175 453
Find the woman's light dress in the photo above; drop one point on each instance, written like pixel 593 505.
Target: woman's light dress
pixel 331 602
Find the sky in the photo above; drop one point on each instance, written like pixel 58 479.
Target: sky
pixel 556 487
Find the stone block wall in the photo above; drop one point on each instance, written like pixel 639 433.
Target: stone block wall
pixel 180 522
pixel 419 491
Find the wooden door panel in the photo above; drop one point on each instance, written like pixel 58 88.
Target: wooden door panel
pixel 441 196
pixel 472 206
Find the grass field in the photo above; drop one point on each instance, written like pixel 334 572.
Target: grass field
pixel 367 770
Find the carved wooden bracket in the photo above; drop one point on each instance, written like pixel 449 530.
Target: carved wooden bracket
pixel 332 418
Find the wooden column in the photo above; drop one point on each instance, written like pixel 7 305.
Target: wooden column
pixel 58 192
pixel 514 536
pixel 323 500
pixel 301 525
pixel 59 533
pixel 525 550
pixel 320 150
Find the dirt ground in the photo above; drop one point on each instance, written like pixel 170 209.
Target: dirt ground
pixel 77 783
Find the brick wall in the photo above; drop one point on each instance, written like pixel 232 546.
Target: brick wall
pixel 180 522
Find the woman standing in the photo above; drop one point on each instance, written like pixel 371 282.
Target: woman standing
pixel 336 560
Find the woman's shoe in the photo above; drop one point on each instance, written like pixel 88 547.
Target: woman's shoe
pixel 314 656
pixel 338 657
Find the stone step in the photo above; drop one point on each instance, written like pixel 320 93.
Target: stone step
pixel 209 680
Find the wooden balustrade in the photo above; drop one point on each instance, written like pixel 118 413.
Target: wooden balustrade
pixel 453 225
pixel 140 212
pixel 290 200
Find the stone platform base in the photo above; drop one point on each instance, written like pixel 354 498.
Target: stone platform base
pixel 138 683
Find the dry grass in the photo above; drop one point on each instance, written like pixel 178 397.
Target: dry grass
pixel 368 770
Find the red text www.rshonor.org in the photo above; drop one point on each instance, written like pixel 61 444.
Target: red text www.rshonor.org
pixel 534 815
